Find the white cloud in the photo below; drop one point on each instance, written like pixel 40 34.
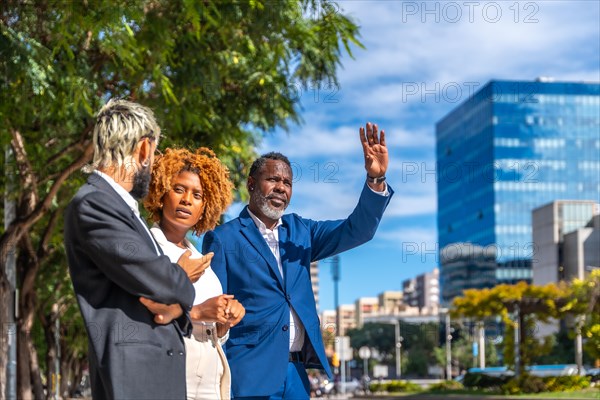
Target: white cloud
pixel 436 58
pixel 409 235
pixel 403 51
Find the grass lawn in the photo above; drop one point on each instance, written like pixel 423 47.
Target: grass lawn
pixel 576 394
pixel 593 393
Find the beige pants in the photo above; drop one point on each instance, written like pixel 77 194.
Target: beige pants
pixel 207 371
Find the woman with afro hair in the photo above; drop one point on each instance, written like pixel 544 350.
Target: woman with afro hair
pixel 190 191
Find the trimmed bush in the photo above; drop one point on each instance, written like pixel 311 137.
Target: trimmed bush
pixel 402 386
pixel 566 383
pixel 533 384
pixel 446 385
pixel 482 381
pixel 377 387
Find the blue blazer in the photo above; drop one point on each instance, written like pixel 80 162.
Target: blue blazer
pixel 258 346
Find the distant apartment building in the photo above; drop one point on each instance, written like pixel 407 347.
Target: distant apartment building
pixel 327 318
pixel 509 148
pixel 365 307
pixel 423 292
pixel 566 239
pixel 391 302
pixel 347 318
pixel 314 278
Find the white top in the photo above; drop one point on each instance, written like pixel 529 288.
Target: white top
pixel 206 287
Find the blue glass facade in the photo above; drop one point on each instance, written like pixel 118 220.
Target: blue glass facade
pixel 512 147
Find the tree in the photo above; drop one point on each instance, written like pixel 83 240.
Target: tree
pixel 583 300
pixel 217 74
pixel 462 354
pixel 529 303
pixel 419 341
pixel 376 336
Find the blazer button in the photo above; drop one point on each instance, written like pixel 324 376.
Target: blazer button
pixel 170 353
pixel 284 328
pixel 181 353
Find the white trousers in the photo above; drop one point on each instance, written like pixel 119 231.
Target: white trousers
pixel 207 372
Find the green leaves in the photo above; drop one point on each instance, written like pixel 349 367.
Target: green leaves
pixel 217 74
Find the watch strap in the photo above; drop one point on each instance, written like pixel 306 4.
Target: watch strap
pixel 376 180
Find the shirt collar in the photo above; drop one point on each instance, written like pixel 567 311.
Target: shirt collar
pixel 261 225
pixel 124 194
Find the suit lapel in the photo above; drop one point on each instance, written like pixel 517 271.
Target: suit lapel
pixel 101 184
pixel 283 238
pixel 286 251
pixel 254 237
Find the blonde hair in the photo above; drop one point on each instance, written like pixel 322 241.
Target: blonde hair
pixel 214 178
pixel 120 125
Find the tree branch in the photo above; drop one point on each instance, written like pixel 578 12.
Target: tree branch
pixel 28 279
pixel 42 251
pixel 78 145
pixel 19 226
pixel 27 177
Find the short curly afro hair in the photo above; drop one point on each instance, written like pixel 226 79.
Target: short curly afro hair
pixel 214 178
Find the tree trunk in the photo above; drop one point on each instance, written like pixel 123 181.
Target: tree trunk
pixel 522 335
pixel 29 379
pixel 23 371
pixel 67 375
pixel 77 368
pixel 36 374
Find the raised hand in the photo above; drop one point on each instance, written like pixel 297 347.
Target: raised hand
pixel 163 313
pixel 375 150
pixel 194 267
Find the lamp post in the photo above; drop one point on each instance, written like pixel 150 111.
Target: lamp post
pixel 398 343
pixel 579 322
pixel 448 332
pixel 335 274
pixel 517 327
pixel 398 348
pixel 448 347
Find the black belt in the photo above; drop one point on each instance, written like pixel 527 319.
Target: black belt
pixel 296 356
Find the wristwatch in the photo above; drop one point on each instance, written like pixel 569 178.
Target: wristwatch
pixel 376 180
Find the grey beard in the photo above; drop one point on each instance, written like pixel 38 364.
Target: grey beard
pixel 141 183
pixel 261 202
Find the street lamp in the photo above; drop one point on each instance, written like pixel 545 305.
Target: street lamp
pixel 398 343
pixel 398 348
pixel 448 343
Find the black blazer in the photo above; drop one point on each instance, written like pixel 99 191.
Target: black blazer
pixel 113 261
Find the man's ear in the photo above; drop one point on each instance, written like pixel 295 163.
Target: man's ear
pixel 250 184
pixel 144 152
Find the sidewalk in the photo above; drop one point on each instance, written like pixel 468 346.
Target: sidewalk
pixel 456 396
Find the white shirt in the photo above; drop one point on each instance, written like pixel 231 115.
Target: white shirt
pixel 206 287
pixel 271 236
pixel 129 200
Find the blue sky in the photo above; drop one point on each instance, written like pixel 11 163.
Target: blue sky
pixel 422 59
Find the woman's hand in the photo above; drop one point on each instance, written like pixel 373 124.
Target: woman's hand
pixel 235 312
pixel 214 309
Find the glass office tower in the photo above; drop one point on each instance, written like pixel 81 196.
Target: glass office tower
pixel 513 146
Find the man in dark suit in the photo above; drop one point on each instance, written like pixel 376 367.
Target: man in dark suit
pixel 263 258
pixel 114 262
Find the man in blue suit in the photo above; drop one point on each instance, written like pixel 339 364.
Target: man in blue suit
pixel 263 258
